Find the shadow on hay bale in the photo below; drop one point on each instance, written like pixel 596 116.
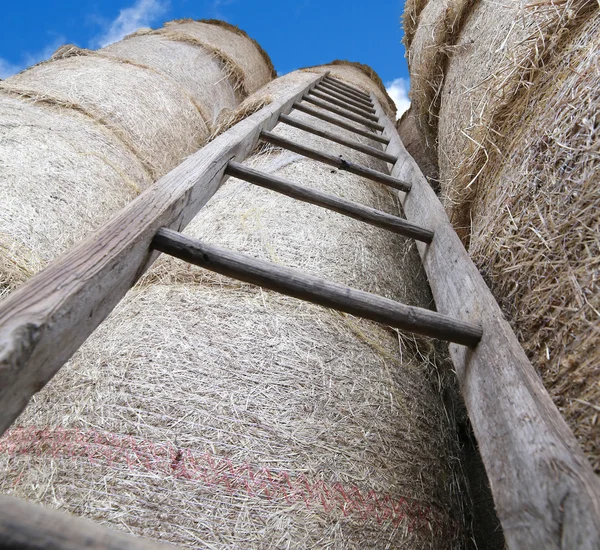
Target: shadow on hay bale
pixel 83 133
pixel 208 412
pixel 516 97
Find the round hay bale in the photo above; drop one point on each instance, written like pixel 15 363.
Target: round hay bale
pixel 247 62
pixel 516 131
pixel 84 133
pixel 208 412
pixel 110 92
pixel 197 71
pixel 62 175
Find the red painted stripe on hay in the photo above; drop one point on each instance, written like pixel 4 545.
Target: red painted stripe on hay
pixel 116 451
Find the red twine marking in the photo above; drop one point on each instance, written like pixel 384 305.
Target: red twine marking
pixel 116 450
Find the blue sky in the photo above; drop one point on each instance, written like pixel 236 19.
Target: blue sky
pixel 294 33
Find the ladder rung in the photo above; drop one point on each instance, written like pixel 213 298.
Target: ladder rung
pixel 344 105
pixel 349 89
pixel 338 162
pixel 332 87
pixel 325 89
pixel 313 289
pixel 342 112
pixel 333 120
pixel 331 202
pixel 367 149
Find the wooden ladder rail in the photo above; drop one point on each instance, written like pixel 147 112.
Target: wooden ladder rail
pixel 122 254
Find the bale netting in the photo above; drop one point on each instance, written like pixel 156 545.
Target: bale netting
pixel 519 164
pixel 85 132
pixel 210 413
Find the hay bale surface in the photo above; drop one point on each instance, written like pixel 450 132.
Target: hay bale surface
pixel 85 132
pixel 517 105
pixel 198 72
pixel 211 413
pixel 221 40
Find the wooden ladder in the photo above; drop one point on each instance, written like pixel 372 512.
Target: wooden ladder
pixel 545 492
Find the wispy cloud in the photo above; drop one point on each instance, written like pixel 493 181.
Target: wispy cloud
pixel 142 14
pixel 398 91
pixel 216 8
pixel 30 58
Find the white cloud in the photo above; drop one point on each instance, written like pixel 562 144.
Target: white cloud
pixel 398 91
pixel 141 14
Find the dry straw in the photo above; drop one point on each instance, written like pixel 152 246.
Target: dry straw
pixel 210 413
pixel 84 133
pixel 518 155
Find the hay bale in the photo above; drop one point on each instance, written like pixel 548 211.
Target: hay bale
pixel 208 412
pixel 249 63
pixel 85 132
pixel 414 140
pixel 198 72
pixel 517 150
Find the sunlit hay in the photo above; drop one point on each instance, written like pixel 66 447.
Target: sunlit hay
pixel 149 120
pixel 62 175
pixel 208 412
pixel 536 229
pixel 196 70
pixel 229 117
pixel 433 43
pixel 501 51
pixel 410 19
pixel 16 264
pixel 359 76
pixel 245 62
pixel 237 30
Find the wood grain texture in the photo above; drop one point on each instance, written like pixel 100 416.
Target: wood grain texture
pixel 335 92
pixel 353 144
pixel 331 202
pixel 73 295
pixel 344 105
pixel 27 526
pixel 313 289
pixel 348 89
pixel 338 162
pixel 545 491
pixel 343 112
pixel 333 120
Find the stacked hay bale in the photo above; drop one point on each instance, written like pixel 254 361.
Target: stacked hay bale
pixel 85 132
pixel 508 93
pixel 211 413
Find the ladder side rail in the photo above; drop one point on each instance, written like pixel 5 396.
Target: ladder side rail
pixel 28 526
pixel 545 491
pixel 75 293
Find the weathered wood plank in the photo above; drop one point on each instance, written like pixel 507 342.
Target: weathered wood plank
pixel 343 86
pixel 28 526
pixel 353 144
pixel 331 202
pixel 330 90
pixel 344 105
pixel 313 289
pixel 323 116
pixel 338 162
pixel 71 297
pixel 342 112
pixel 545 491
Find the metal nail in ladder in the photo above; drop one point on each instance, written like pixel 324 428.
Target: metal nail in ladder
pixel 545 492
